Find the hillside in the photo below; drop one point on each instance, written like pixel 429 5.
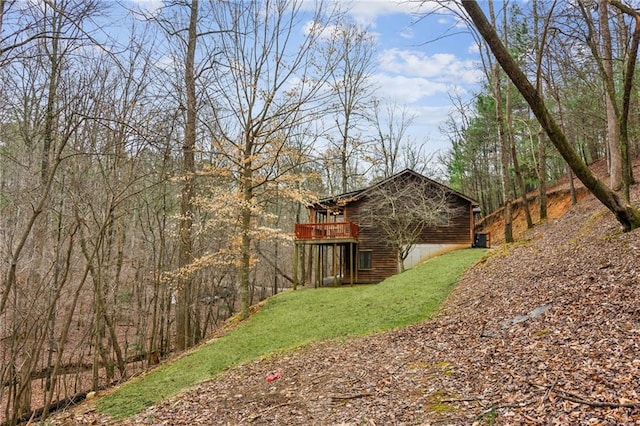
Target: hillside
pixel 558 203
pixel 543 331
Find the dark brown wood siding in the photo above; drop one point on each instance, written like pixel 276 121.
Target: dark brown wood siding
pixel 459 229
pixel 383 258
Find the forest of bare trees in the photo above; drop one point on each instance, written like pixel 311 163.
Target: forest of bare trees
pixel 559 97
pixel 153 162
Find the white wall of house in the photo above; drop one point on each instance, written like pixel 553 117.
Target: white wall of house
pixel 421 252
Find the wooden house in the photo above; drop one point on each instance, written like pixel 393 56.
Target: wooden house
pixel 335 246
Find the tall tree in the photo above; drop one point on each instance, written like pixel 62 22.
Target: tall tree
pixel 601 44
pixel 628 81
pixel 270 87
pixel 495 77
pixel 351 83
pixel 185 335
pixel 473 163
pixel 617 102
pixel 47 128
pixel 540 45
pixel 391 151
pixel 516 47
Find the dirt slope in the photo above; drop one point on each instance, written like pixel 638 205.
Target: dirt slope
pixel 575 359
pixel 558 203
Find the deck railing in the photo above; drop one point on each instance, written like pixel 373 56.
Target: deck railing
pixel 326 231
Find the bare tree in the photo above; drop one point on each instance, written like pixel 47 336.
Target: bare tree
pixel 76 147
pixel 189 33
pixel 540 43
pixel 494 75
pixel 24 30
pixel 601 45
pixel 631 61
pixel 390 147
pixel 471 162
pixel 31 297
pixel 351 83
pixel 184 330
pixel 269 86
pixel 402 209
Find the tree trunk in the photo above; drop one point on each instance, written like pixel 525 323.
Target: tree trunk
pixel 512 145
pixel 504 162
pixel 627 216
pixel 613 131
pixel 627 169
pixel 184 328
pixel 541 170
pixel 572 189
pixel 542 173
pixel 504 146
pixel 245 257
pixel 516 165
pixel 344 166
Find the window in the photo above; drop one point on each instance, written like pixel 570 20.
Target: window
pixel 365 259
pixel 443 219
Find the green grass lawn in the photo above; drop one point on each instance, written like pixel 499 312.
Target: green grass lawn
pixel 292 319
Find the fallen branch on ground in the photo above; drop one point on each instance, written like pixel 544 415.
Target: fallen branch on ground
pixel 500 407
pixel 471 398
pixel 568 396
pixel 548 391
pixel 266 410
pixel 347 397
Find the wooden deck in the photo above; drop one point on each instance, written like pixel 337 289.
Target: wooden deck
pixel 326 233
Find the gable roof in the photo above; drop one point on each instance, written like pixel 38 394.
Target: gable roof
pixel 347 197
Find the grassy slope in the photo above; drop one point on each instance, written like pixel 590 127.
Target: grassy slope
pixel 292 319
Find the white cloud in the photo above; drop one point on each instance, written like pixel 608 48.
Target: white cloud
pixel 432 115
pixel 442 62
pixel 365 12
pixel 407 33
pixel 439 66
pixel 473 49
pixel 408 90
pixel 149 7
